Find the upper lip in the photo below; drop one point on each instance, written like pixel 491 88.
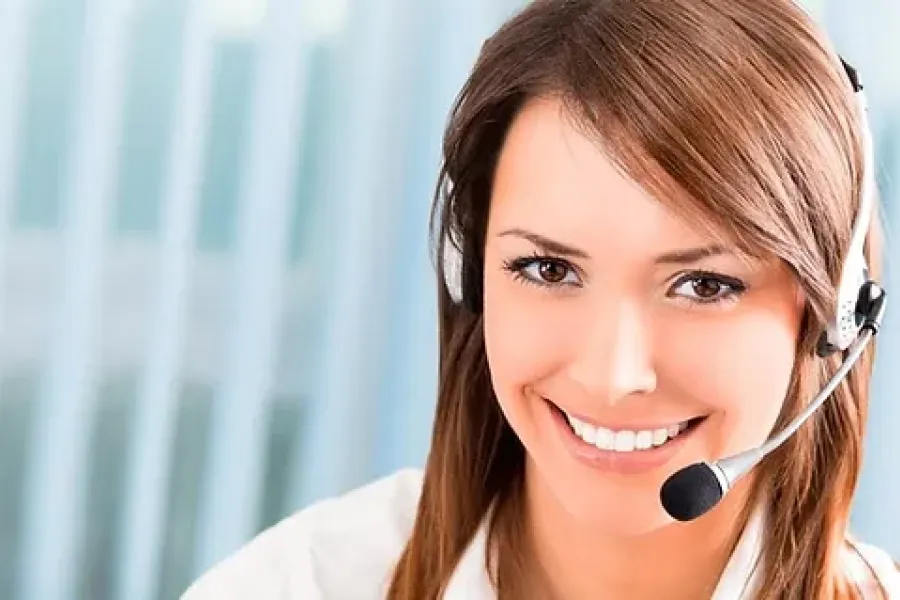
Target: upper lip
pixel 618 425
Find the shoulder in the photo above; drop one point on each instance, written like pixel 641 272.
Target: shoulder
pixel 344 547
pixel 875 570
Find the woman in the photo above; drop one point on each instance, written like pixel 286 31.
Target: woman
pixel 645 208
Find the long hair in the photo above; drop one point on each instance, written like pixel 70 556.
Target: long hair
pixel 739 116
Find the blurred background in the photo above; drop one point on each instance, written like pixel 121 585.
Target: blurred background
pixel 216 297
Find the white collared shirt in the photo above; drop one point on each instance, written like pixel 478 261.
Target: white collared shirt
pixel 345 549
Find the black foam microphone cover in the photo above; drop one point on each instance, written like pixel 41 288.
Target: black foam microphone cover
pixel 691 492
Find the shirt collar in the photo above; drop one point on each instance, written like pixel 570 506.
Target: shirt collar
pixel 470 580
pixel 739 580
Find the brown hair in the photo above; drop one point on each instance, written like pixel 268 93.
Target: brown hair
pixel 739 115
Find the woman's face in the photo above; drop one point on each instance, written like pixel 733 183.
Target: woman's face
pixel 622 343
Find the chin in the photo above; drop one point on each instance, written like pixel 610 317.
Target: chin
pixel 626 511
pixel 619 505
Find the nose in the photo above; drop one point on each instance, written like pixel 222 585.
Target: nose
pixel 615 358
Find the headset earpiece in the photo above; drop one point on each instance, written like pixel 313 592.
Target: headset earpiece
pixel 462 272
pixel 845 326
pixel 452 266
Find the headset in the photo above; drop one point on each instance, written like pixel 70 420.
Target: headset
pixel 860 305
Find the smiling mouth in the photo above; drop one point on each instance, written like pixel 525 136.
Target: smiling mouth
pixel 626 440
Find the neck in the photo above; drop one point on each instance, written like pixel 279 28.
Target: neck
pixel 680 560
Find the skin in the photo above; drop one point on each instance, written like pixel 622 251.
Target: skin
pixel 616 329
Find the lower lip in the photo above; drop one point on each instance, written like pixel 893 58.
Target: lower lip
pixel 635 462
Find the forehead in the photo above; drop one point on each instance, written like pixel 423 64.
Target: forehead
pixel 553 178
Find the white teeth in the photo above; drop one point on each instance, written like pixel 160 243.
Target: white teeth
pixel 589 434
pixel 660 436
pixel 575 423
pixel 606 439
pixel 643 440
pixel 624 441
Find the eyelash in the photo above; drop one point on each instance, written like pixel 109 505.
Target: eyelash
pixel 733 287
pixel 517 268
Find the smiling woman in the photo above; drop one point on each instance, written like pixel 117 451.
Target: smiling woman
pixel 652 213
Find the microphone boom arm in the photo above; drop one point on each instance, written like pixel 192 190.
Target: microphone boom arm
pixel 729 470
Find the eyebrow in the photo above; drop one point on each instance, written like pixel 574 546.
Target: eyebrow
pixel 545 244
pixel 691 255
pixel 674 257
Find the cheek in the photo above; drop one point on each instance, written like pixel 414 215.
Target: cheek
pixel 523 347
pixel 741 372
pixel 526 339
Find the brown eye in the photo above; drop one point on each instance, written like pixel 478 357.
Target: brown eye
pixel 543 271
pixel 706 288
pixel 552 271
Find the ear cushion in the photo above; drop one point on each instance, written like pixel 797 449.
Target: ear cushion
pixel 462 275
pixel 453 270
